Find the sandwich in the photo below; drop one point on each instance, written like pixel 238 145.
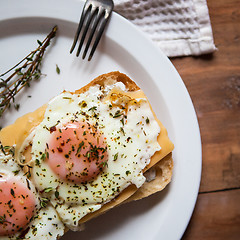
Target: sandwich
pixel 80 155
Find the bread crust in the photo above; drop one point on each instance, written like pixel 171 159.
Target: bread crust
pixel 109 79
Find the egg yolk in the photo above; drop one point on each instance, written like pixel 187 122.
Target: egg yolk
pixel 77 152
pixel 17 205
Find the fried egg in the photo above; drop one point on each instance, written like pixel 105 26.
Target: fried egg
pixel 21 212
pixel 89 147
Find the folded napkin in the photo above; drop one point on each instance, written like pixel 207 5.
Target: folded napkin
pixel 178 27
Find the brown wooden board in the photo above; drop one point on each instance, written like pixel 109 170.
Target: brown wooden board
pixel 213 82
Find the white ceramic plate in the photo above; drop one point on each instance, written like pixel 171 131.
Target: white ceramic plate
pixel 164 215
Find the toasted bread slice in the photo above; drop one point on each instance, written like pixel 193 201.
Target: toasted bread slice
pixel 161 163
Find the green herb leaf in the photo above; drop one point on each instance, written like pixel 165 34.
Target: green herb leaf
pixel 122 130
pixel 43 202
pixel 57 69
pixel 17 106
pixel 3 219
pixel 57 194
pixel 39 42
pixel 104 164
pixel 12 192
pixel 147 120
pixel 115 157
pixel 117 114
pixel 16 172
pixel 47 190
pixel 82 104
pixel 37 162
pixel 43 157
pixel 80 147
pixel 92 108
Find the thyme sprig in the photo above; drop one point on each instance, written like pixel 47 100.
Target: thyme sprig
pixel 22 74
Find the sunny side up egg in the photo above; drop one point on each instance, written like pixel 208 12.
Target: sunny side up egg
pixel 90 147
pixel 21 214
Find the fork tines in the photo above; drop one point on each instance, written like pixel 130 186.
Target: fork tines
pixel 94 18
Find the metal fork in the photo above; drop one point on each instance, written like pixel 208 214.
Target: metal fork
pixel 95 16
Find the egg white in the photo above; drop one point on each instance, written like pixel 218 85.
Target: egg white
pixel 131 140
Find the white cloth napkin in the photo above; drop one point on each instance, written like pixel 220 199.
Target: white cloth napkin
pixel 178 27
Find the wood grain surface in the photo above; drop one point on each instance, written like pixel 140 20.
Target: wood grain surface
pixel 213 82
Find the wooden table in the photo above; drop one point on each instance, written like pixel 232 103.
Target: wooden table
pixel 213 82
